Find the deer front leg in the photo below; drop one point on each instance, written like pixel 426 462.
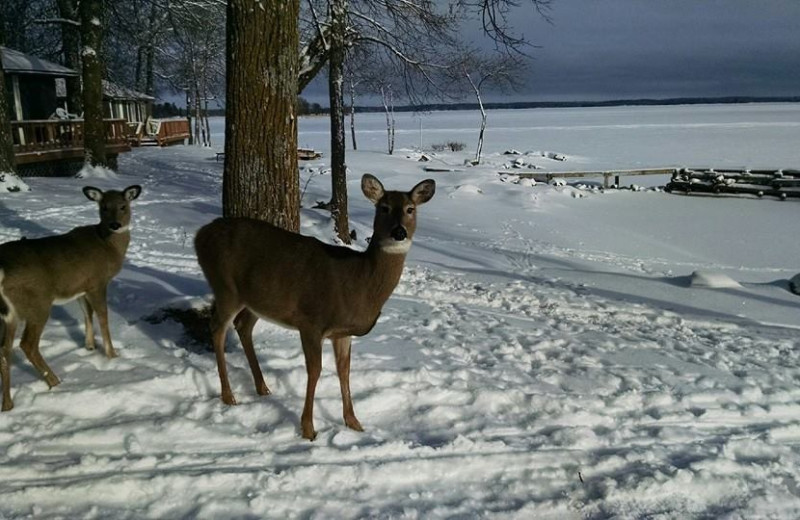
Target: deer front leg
pixel 244 323
pixel 10 330
pixel 97 301
pixel 312 348
pixel 341 350
pixel 88 314
pixel 30 346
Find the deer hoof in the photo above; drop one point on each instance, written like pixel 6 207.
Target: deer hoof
pixel 110 354
pixel 228 399
pixel 353 424
pixel 51 380
pixel 7 405
pixel 263 389
pixel 309 433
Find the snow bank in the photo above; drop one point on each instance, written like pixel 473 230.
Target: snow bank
pixel 713 280
pixel 11 182
pixel 541 357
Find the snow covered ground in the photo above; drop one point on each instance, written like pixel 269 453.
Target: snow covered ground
pixel 551 352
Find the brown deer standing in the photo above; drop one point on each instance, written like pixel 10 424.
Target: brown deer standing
pixel 257 270
pixel 36 273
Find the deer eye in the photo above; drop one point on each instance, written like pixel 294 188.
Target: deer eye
pixel 410 210
pixel 123 208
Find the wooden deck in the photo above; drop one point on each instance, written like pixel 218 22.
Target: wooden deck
pixel 37 141
pixel 165 133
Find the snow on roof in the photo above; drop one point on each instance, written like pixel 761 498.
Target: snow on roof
pixel 114 91
pixel 21 63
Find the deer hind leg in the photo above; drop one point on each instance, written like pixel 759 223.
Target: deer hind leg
pixel 244 323
pixel 30 346
pixel 224 312
pixel 96 300
pixel 9 330
pixel 88 314
pixel 341 350
pixel 312 348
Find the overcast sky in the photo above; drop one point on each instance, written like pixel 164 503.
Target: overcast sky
pixel 604 49
pixel 612 49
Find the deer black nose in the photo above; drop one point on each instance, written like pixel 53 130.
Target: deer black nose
pixel 114 226
pixel 399 233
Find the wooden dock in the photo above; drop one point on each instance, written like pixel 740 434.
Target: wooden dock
pixel 781 183
pixel 607 175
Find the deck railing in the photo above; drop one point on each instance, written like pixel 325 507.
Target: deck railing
pixel 53 139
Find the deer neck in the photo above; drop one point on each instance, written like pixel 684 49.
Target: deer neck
pixel 384 272
pixel 118 242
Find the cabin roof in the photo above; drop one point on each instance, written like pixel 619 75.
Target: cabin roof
pixel 17 62
pixel 20 63
pixel 114 91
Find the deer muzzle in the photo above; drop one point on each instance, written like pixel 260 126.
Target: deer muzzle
pixel 399 233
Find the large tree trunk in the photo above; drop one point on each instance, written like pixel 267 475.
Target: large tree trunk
pixel 336 96
pixel 92 14
pixel 6 140
pixel 71 43
pixel 261 178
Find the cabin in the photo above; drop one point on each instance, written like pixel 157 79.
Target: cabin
pixel 124 103
pixel 47 137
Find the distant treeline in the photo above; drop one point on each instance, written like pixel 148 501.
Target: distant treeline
pixel 580 104
pixel 304 107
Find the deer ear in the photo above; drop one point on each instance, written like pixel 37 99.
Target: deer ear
pixel 372 188
pixel 132 192
pixel 93 193
pixel 423 192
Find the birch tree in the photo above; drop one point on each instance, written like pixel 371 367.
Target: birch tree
pixel 404 31
pixel 474 72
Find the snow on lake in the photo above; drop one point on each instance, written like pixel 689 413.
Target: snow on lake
pixel 550 352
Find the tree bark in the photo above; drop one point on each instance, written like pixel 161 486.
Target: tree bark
pixel 71 43
pixel 150 53
pixel 336 95
pixel 261 178
pixel 7 163
pixel 92 14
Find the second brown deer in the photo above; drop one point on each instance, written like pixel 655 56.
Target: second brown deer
pixel 257 270
pixel 36 273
